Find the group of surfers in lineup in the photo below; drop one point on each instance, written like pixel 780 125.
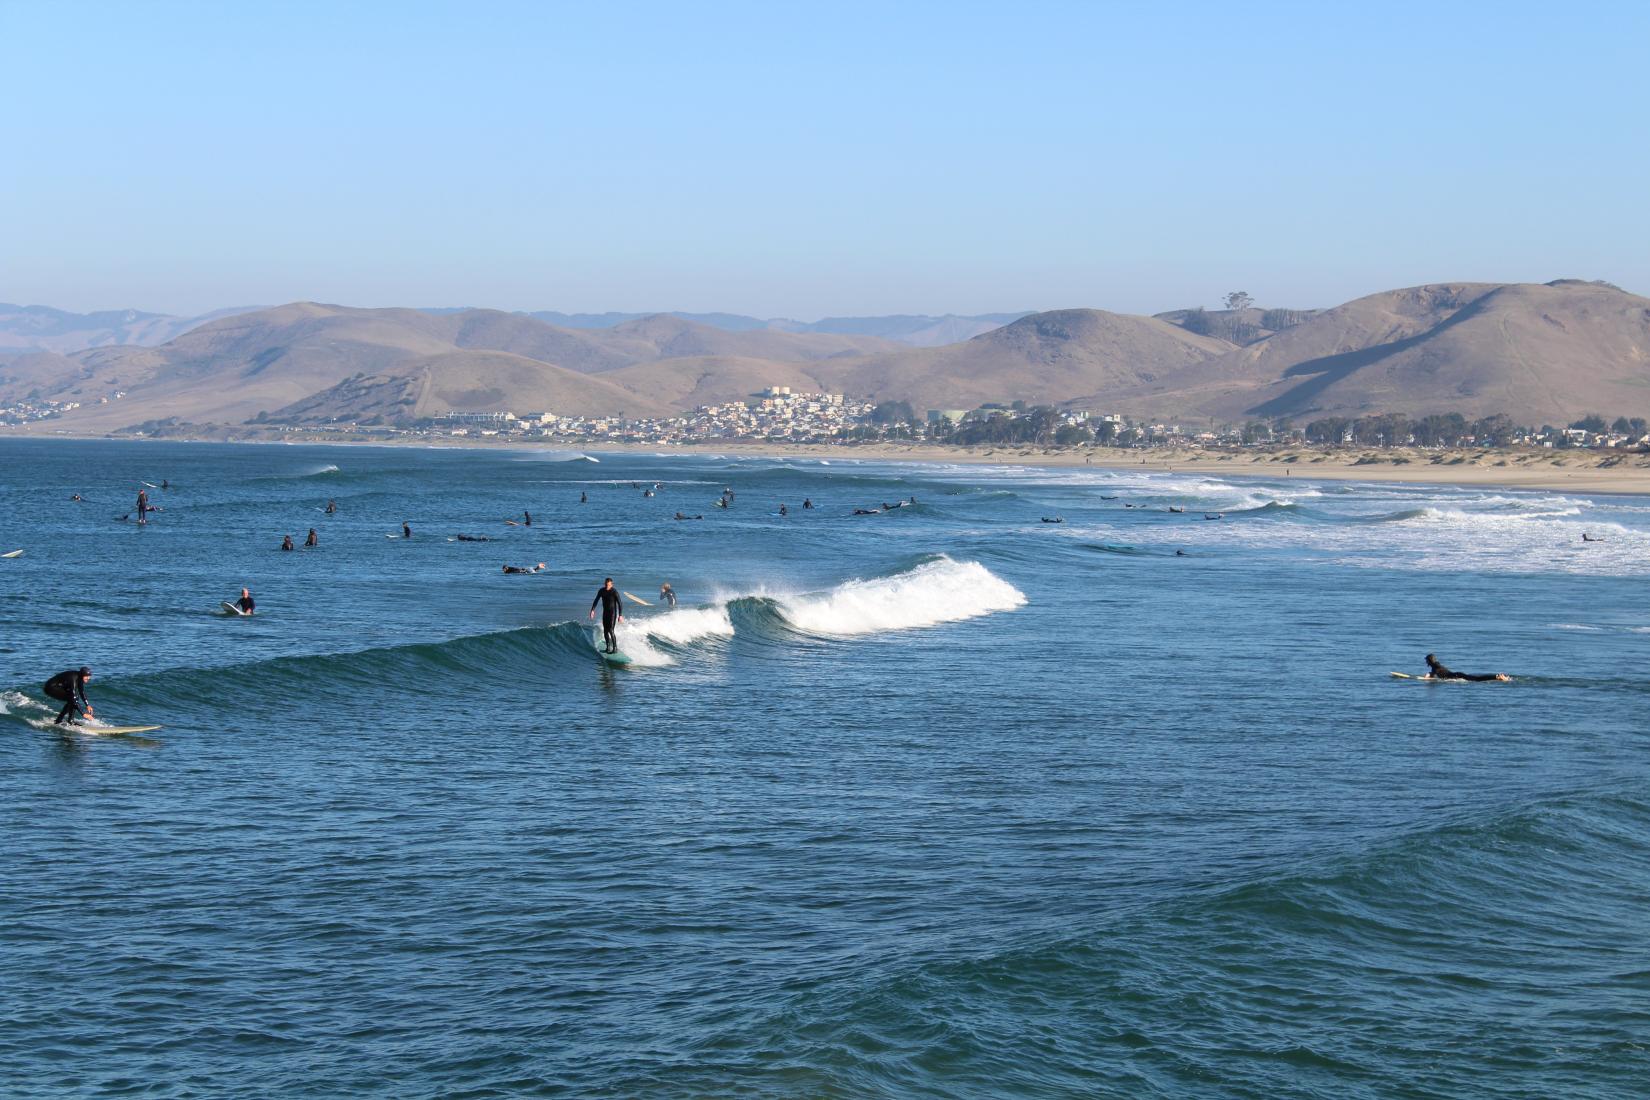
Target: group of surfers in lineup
pixel 69 687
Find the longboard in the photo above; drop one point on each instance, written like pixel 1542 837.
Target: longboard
pixel 12 554
pixel 638 599
pixel 232 609
pixel 111 731
pixel 600 644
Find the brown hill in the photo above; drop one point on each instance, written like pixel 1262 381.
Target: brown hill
pixel 1536 352
pixel 1045 357
pixel 469 381
pixel 688 383
pixel 1549 352
pixel 326 361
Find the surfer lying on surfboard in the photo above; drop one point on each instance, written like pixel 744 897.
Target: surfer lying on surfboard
pixel 1436 670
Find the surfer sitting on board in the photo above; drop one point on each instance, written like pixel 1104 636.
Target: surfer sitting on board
pixel 70 687
pixel 612 612
pixel 286 543
pixel 245 603
pixel 1437 671
pixel 313 539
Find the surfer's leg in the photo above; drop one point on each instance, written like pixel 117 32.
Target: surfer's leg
pixel 68 712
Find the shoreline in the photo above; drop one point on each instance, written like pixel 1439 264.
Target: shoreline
pixel 1614 472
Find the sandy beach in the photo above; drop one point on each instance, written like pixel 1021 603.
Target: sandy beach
pixel 1578 470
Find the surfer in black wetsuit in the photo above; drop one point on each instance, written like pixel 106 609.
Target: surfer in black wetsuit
pixel 286 543
pixel 245 602
pixel 612 612
pixel 528 517
pixel 668 594
pixel 807 502
pixel 69 688
pixel 513 569
pixel 406 531
pixel 784 511
pixel 143 506
pixel 332 506
pixel 313 540
pixel 1436 669
pixel 584 498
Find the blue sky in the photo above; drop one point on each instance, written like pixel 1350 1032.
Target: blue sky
pixel 807 160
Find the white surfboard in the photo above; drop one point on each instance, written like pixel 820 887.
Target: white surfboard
pixel 232 609
pixel 12 554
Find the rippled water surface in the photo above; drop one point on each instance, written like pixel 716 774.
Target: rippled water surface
pixel 944 801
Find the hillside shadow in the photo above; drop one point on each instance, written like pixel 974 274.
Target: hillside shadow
pixel 1331 369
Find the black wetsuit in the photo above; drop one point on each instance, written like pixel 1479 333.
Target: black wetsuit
pixel 70 688
pixel 1439 672
pixel 528 516
pixel 143 506
pixel 246 605
pixel 670 596
pixel 609 599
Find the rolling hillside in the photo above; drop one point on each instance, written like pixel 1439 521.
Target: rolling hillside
pixel 1538 352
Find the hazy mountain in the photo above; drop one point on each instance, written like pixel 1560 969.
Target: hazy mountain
pixel 1536 352
pixel 918 330
pixel 42 328
pixel 325 361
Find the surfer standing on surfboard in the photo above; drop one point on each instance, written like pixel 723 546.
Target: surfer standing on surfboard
pixel 143 506
pixel 70 687
pixel 612 612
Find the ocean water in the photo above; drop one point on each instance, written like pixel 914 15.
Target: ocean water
pixel 940 802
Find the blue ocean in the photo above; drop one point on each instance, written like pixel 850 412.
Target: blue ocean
pixel 940 800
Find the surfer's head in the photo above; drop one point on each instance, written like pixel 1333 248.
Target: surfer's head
pixel 85 672
pixel 1431 660
pixel 608 583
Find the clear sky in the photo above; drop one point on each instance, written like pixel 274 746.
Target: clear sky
pixel 811 159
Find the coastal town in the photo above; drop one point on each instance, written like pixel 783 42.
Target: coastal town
pixel 779 415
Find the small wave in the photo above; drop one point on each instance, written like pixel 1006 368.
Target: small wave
pixel 939 591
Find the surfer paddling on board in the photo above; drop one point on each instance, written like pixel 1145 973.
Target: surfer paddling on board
pixel 69 688
pixel 514 569
pixel 612 612
pixel 245 603
pixel 1436 670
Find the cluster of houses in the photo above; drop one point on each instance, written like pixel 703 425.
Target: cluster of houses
pixel 777 414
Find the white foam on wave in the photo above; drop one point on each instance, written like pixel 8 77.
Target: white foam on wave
pixel 684 626
pixel 1528 535
pixel 940 591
